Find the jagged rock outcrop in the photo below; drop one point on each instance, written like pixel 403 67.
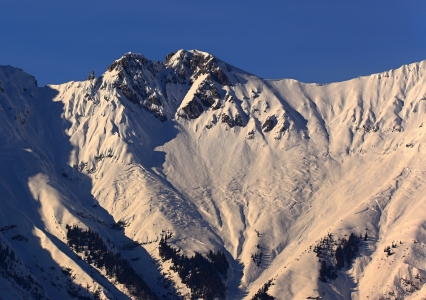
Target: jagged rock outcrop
pixel 192 110
pixel 226 119
pixel 269 124
pixel 136 79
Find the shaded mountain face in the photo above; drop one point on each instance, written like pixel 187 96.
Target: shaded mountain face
pixel 201 180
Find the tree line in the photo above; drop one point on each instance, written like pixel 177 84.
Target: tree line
pixel 8 263
pixel 336 254
pixel 262 293
pixel 96 253
pixel 199 273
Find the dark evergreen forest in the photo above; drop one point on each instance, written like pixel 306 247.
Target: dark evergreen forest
pixel 96 253
pixel 262 293
pixel 8 262
pixel 336 254
pixel 203 275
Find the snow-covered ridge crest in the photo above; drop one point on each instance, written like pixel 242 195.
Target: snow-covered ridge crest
pixel 195 63
pixel 156 86
pixel 136 78
pixel 262 170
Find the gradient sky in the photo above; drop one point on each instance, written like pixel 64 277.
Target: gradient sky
pixel 311 41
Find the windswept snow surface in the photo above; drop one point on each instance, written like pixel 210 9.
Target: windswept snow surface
pixel 224 160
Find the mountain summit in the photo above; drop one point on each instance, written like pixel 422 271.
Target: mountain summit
pixel 192 179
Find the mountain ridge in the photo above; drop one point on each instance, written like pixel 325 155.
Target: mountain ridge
pixel 226 161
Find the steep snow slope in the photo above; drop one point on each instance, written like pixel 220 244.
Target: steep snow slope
pixel 224 160
pixel 37 201
pixel 345 162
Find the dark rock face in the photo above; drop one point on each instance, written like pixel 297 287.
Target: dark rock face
pixel 224 118
pixel 209 94
pixel 229 98
pixel 130 95
pixel 127 62
pixel 239 121
pixel 269 124
pixel 284 127
pixel 181 71
pixel 144 82
pixel 216 106
pixel 190 66
pixel 168 57
pixel 91 76
pixel 192 110
pixel 201 64
pixel 133 70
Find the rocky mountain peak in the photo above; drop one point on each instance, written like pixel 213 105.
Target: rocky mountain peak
pixel 157 87
pixel 138 81
pixel 192 64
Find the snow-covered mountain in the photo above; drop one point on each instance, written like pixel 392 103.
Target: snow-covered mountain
pixel 201 156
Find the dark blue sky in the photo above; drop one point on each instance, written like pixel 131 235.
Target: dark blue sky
pixel 311 41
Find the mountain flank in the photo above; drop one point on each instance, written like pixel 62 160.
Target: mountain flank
pixel 192 179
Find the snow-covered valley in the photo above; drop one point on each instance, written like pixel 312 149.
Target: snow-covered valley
pixel 275 174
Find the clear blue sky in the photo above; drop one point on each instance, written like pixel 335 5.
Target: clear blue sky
pixel 311 41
